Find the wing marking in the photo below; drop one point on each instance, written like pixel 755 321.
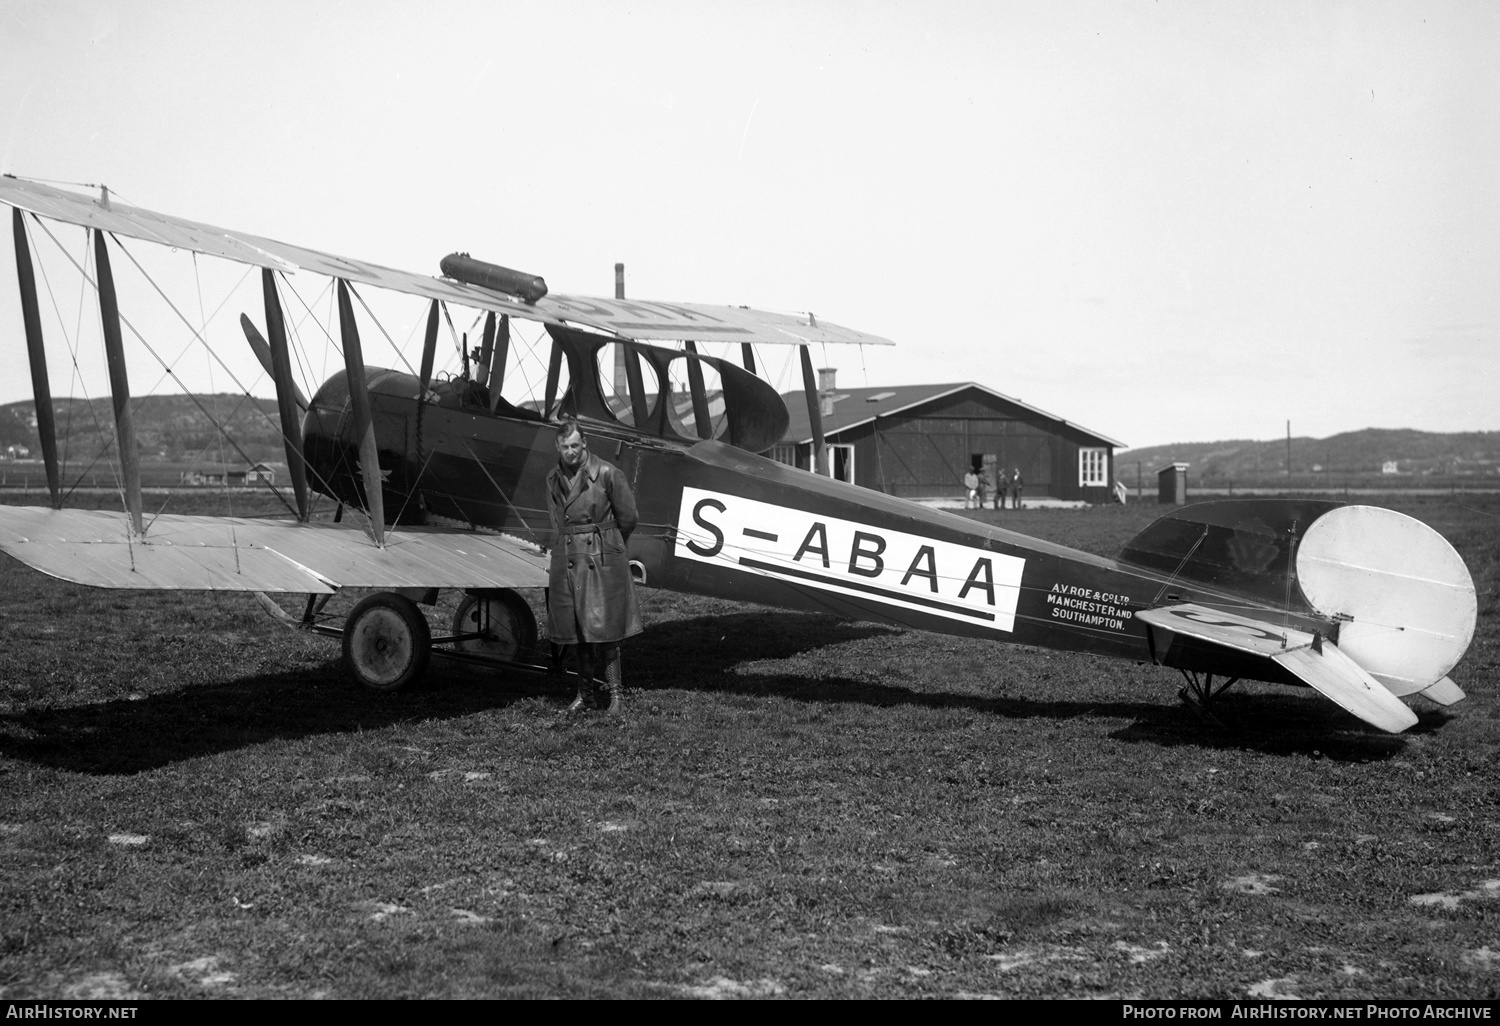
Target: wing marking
pixel 1241 633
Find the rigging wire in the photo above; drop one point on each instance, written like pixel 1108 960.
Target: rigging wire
pixel 530 349
pixel 387 335
pixel 206 320
pixel 155 355
pixel 328 288
pixel 219 438
pixel 294 335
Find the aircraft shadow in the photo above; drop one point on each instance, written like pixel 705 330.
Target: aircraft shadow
pixel 122 737
pixel 693 654
pixel 706 651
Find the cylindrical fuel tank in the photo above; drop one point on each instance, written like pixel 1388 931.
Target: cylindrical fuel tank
pixel 462 267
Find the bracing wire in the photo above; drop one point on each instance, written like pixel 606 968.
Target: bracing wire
pixel 376 321
pixel 294 334
pixel 206 319
pixel 173 374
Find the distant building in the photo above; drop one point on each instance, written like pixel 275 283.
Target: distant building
pixel 1389 467
pixel 17 452
pixel 225 476
pixel 918 441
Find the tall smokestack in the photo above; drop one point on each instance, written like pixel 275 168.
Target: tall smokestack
pixel 825 379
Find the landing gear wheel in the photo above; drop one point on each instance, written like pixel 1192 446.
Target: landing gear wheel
pixel 387 642
pixel 505 620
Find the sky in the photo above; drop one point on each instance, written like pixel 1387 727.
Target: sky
pixel 1167 222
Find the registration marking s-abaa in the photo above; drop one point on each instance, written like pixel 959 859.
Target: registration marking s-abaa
pixel 874 564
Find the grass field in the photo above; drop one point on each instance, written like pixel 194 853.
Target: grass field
pixel 194 802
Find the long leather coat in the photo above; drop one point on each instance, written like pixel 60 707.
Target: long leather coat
pixel 590 596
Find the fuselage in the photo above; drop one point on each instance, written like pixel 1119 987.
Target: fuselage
pixel 716 520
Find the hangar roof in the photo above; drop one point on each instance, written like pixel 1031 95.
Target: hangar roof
pixel 854 407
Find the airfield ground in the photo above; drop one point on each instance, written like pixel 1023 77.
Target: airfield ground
pixel 195 802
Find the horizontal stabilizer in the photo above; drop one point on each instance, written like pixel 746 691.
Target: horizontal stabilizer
pixel 1341 680
pixel 201 553
pixel 1445 692
pixel 1334 675
pixel 1240 633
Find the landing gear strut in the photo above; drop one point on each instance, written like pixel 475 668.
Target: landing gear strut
pixel 1200 692
pixel 497 624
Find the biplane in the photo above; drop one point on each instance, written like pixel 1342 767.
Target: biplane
pixel 438 480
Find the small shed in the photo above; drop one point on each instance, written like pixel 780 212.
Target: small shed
pixel 918 442
pixel 1171 484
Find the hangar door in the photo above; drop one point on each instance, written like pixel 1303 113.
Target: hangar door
pixel 929 456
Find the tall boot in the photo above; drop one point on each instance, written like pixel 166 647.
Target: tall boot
pixel 585 697
pixel 614 680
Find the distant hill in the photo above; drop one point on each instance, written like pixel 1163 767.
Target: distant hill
pixel 167 427
pixel 173 428
pixel 1353 453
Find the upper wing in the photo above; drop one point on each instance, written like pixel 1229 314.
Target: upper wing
pixel 1320 665
pixel 197 553
pixel 696 322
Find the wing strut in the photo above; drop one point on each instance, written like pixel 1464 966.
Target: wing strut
pixel 701 419
pixel 554 371
pixel 640 403
pixel 747 356
pixel 429 352
pixel 497 365
pixel 41 388
pixel 359 403
pixel 814 413
pixel 286 390
pixel 486 351
pixel 119 384
pixel 424 382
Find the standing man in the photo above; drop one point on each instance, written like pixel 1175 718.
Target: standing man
pixel 1002 481
pixel 971 487
pixel 590 598
pixel 1015 488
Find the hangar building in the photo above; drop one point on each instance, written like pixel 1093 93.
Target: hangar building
pixel 918 441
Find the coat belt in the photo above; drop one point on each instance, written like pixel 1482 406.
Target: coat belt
pixel 603 525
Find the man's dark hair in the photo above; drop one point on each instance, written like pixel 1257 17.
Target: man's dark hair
pixel 567 426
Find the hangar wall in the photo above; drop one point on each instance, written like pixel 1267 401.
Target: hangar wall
pixel 923 451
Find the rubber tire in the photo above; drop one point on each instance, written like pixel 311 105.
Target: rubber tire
pixel 387 642
pixel 511 621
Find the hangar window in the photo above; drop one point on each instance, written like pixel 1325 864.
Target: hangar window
pixel 1093 468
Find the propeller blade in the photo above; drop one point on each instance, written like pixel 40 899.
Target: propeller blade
pixel 262 350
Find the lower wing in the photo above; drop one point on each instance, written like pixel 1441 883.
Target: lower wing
pixel 201 553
